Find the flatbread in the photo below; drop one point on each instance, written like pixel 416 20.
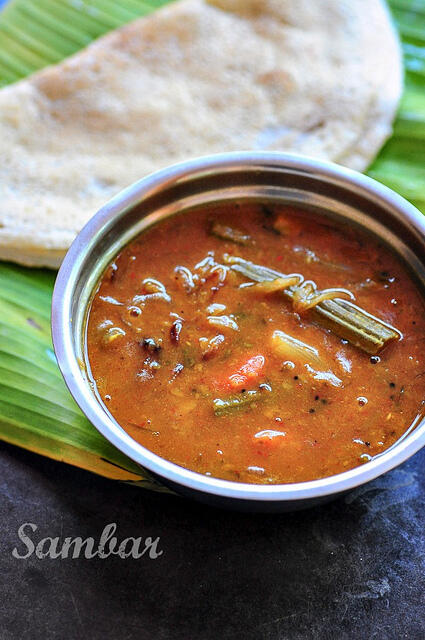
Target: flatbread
pixel 197 77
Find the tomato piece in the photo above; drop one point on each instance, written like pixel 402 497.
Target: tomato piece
pixel 251 370
pixel 268 440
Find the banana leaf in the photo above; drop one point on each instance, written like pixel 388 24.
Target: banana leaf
pixel 36 410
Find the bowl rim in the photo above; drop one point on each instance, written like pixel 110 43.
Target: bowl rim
pixel 107 425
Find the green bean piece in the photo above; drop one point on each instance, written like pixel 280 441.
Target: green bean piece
pixel 233 403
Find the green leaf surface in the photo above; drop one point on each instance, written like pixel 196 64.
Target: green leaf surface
pixel 36 410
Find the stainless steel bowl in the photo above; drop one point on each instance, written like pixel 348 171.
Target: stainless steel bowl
pixel 284 178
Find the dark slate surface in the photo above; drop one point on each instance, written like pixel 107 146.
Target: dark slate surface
pixel 352 569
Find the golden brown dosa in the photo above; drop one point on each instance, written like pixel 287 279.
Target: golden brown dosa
pixel 321 78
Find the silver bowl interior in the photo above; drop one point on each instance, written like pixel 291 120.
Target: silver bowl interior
pixel 339 193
